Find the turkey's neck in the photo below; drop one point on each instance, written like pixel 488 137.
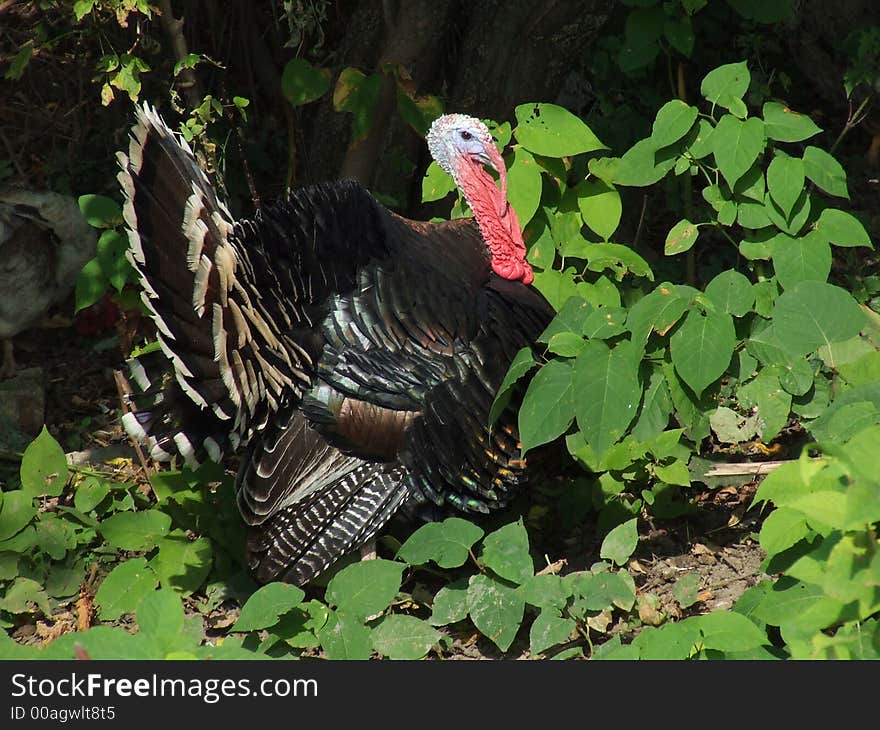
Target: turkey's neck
pixel 497 221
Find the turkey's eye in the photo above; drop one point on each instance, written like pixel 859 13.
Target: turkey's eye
pixel 465 135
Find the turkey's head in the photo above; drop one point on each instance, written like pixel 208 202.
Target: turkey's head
pixel 462 146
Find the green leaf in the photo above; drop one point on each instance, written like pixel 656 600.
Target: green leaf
pixel 418 111
pixel 16 511
pixel 794 222
pixel 100 211
pixel 436 184
pixel 91 284
pixel 404 637
pixel 825 171
pixel 686 589
pixel 183 564
pixel 621 542
pixel 731 292
pixel 656 312
pixel 785 125
pixel 731 427
pixel 447 543
pixel 600 206
pixel 603 589
pixel 565 344
pixel 54 536
pixel 522 362
pixel 814 313
pixel 112 247
pixel 736 145
pixel 701 348
pixel 450 604
pixel 680 34
pixel 345 637
pixel 524 185
pixel 496 610
pixel 770 400
pixel 640 166
pixel 548 405
pixel 807 258
pixel 81 8
pixel 604 323
pixel 506 552
pixel 549 629
pixel 43 466
pixel 728 631
pixel 266 605
pixel 160 617
pixel 726 85
pixel 357 94
pixel 550 130
pixel 544 590
pixel 842 229
pixel 302 83
pixel 785 181
pixel 124 588
pixel 23 595
pixel 781 529
pixel 673 121
pixel 608 393
pixel 20 61
pixel 680 238
pixel 135 530
pixel 655 410
pixel 90 492
pixel 364 588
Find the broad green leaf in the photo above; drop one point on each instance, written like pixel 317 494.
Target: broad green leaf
pixel 43 468
pixel 548 405
pixel 731 292
pixel 160 617
pixel 621 542
pixel 642 33
pixel 112 247
pixel 90 492
pixel 23 596
pixel 686 589
pixel 825 171
pixel 729 631
pixel 807 258
pixel 524 189
pixel 608 393
pixel 124 588
pixel 496 610
pixel 522 362
pixel 731 427
pixel 655 312
pixel 366 587
pixel 544 590
pixel 700 139
pixel 565 344
pixel 680 34
pixel 345 637
pixel 450 604
pixel 557 286
pixel 814 313
pixel 549 629
pixel 91 284
pixel 550 130
pixel 418 111
pixel 54 536
pixel 736 145
pixel 673 121
pixel 785 125
pixel 100 211
pixel 181 563
pixel 752 185
pixel 506 553
pixel 701 348
pixel 604 323
pixel 640 166
pixel 436 184
pixel 603 589
pixel 600 206
pixel 358 94
pixel 617 258
pixel 772 403
pixel 655 410
pixel 680 238
pixel 726 85
pixel 302 83
pixel 135 530
pixel 794 222
pixel 785 181
pixel 842 228
pixel 404 637
pixel 781 529
pixel 16 511
pixel 447 543
pixel 675 473
pixel 264 607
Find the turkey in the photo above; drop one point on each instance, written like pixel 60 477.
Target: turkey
pixel 44 242
pixel 352 354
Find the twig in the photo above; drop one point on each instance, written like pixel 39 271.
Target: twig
pixel 746 468
pixel 12 156
pixel 123 390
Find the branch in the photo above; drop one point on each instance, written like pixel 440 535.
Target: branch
pixel 187 81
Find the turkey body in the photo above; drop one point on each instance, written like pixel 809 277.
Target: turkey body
pixel 353 354
pixel 44 242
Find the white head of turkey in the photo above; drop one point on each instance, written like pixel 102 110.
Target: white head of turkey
pixel 351 354
pixel 462 146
